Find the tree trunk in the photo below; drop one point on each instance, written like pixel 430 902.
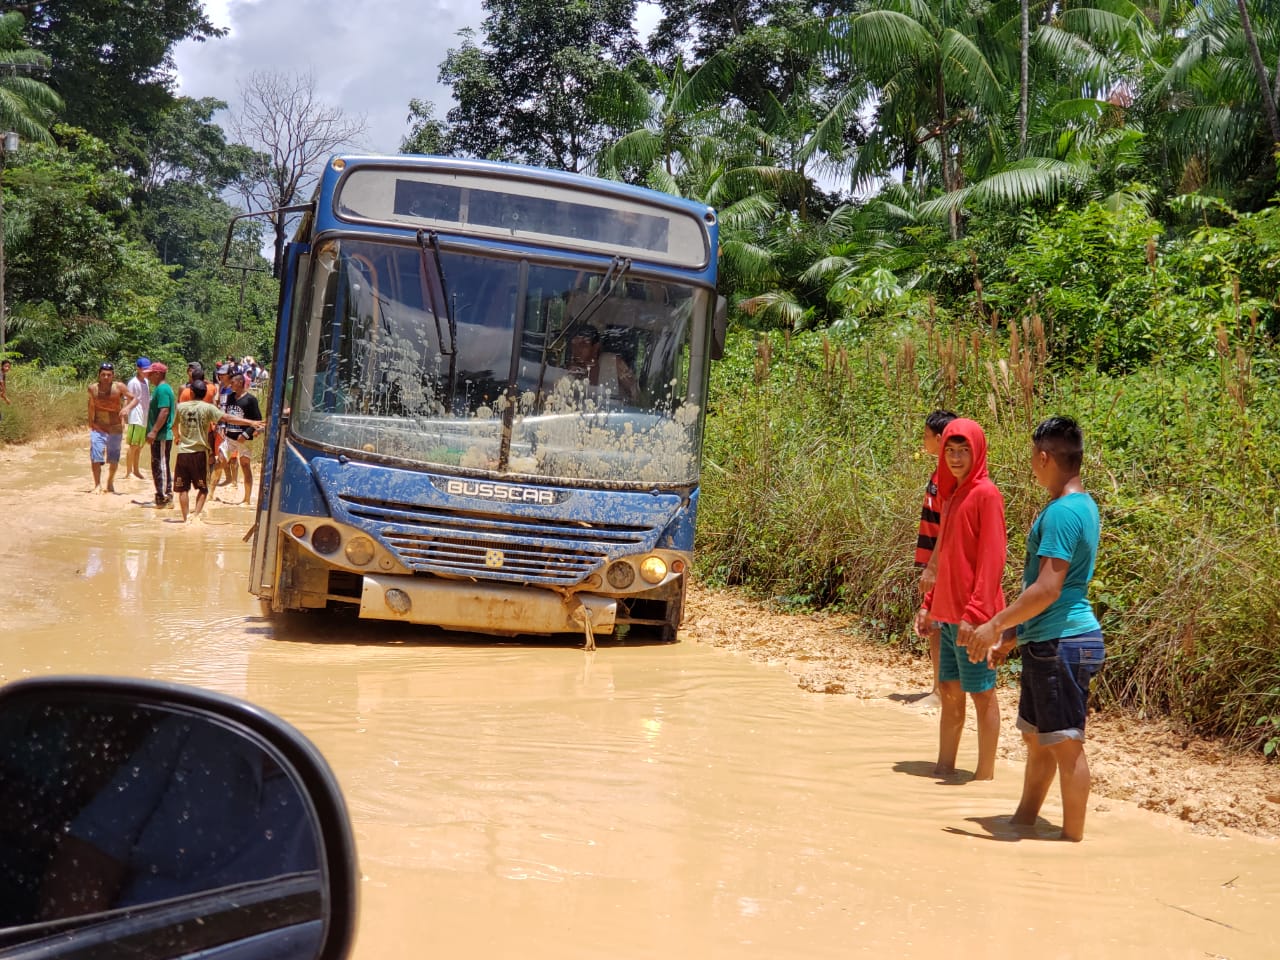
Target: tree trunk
pixel 277 263
pixel 1275 90
pixel 1264 88
pixel 1024 74
pixel 944 148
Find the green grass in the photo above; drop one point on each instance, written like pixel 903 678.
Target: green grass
pixel 42 401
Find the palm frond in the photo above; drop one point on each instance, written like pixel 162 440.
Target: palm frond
pixel 1020 183
pixel 774 305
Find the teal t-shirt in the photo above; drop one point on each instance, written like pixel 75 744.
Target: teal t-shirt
pixel 1068 529
pixel 162 396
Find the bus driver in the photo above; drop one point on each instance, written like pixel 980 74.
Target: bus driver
pixel 606 371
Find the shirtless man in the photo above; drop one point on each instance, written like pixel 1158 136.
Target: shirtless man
pixel 109 406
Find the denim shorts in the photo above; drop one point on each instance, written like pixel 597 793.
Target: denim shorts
pixel 954 663
pixel 1055 686
pixel 104 447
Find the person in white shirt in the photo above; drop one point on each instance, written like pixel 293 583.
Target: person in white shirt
pixel 136 433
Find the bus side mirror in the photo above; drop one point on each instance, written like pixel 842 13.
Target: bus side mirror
pixel 719 328
pixel 163 821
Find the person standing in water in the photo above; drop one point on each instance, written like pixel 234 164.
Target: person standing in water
pixel 136 432
pixel 971 557
pixel 193 422
pixel 927 533
pixel 109 406
pixel 1054 627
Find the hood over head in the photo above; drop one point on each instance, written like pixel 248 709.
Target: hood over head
pixel 971 431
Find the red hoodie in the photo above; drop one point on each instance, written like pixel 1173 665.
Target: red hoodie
pixel 973 543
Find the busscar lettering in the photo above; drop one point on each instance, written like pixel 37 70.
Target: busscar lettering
pixel 498 491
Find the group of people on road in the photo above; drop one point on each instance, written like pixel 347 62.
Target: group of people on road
pixel 961 551
pixel 211 424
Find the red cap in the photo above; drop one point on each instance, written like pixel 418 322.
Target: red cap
pixel 158 368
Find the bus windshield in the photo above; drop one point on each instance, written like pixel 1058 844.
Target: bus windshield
pixel 509 366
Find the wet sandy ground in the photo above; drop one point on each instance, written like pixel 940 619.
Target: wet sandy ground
pixel 537 801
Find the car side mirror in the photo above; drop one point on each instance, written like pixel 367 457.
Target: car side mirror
pixel 167 820
pixel 719 328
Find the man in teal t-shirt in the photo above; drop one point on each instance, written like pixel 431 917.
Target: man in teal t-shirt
pixel 160 432
pixel 1057 633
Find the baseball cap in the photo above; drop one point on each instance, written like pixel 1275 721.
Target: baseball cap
pixel 158 367
pixel 106 365
pixel 143 363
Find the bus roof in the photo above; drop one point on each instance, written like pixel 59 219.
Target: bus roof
pixel 509 202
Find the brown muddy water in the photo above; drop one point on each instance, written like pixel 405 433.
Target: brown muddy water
pixel 532 800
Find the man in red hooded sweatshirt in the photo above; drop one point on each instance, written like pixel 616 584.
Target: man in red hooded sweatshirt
pixel 970 558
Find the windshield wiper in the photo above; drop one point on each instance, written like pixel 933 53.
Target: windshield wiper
pixel 432 239
pixel 608 284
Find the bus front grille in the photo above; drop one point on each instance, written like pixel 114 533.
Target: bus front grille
pixel 516 549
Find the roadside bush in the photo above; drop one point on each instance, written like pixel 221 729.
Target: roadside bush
pixel 42 401
pixel 813 480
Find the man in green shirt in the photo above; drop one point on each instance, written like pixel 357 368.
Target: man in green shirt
pixel 194 420
pixel 160 432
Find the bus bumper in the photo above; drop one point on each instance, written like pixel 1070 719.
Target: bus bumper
pixel 483 608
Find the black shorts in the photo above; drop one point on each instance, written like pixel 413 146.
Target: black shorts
pixel 1055 686
pixel 191 470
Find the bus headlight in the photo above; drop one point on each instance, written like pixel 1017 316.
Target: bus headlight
pixel 359 550
pixel 653 569
pixel 326 539
pixel 620 574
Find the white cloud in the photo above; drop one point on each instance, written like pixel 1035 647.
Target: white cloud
pixel 370 59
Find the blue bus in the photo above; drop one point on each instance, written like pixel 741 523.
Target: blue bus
pixel 488 394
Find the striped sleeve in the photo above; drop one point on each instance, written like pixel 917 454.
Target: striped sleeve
pixel 930 519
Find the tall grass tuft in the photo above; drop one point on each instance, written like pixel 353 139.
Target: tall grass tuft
pixel 813 481
pixel 42 401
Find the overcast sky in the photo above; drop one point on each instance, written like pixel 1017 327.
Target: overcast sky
pixel 370 58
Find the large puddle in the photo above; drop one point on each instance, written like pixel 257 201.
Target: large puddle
pixel 534 800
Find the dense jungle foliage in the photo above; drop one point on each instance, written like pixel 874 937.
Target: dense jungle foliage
pixel 1010 208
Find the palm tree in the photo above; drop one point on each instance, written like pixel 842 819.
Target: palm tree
pixel 1211 98
pixel 937 80
pixel 27 107
pixel 1260 71
pixel 940 104
pixel 662 113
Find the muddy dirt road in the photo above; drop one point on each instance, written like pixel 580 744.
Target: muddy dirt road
pixel 685 800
